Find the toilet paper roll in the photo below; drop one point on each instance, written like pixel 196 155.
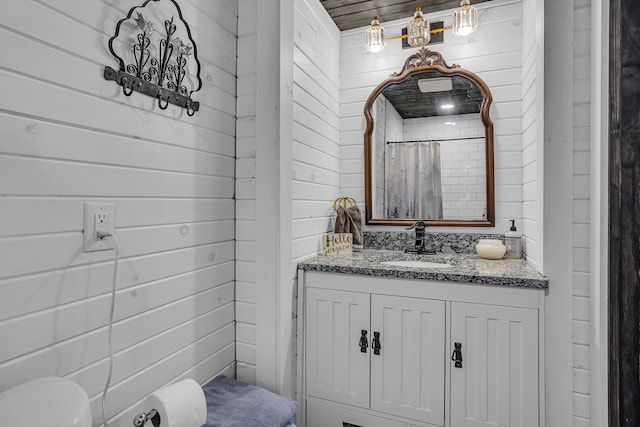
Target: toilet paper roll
pixel 179 405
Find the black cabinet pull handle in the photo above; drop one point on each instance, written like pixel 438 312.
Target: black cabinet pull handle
pixel 375 343
pixel 364 343
pixel 457 355
pixel 346 424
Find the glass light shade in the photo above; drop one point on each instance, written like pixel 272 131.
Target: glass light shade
pixel 375 37
pixel 465 19
pixel 418 30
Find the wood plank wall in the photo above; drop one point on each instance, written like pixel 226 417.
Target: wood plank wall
pixel 581 302
pixel 314 152
pixel 69 136
pixel 569 239
pixel 246 193
pixel 494 52
pixel 624 208
pixel 532 147
pixel 316 59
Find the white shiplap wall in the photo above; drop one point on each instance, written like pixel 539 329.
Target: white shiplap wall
pixel 246 193
pixel 581 218
pixel 494 52
pixel 313 147
pixel 532 120
pixel 316 58
pixel 69 136
pixel 569 138
pixel 315 139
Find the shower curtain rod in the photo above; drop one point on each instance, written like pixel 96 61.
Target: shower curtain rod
pixel 435 140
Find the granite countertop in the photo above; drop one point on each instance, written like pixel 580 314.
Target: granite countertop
pixel 466 268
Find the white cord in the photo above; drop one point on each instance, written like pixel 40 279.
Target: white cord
pixel 113 304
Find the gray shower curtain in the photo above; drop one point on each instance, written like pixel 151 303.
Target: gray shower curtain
pixel 413 186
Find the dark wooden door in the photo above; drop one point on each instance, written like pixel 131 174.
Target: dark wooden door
pixel 624 214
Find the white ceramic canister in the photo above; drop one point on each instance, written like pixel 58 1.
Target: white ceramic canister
pixel 490 248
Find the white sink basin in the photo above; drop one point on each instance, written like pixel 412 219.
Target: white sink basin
pixel 417 264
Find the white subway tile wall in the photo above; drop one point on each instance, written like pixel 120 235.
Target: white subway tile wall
pixel 463 161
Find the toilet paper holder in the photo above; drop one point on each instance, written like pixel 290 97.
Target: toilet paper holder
pixel 141 419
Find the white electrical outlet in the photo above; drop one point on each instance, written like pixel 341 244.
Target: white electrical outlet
pixel 99 225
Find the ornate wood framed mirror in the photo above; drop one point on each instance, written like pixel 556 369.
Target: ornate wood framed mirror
pixel 429 147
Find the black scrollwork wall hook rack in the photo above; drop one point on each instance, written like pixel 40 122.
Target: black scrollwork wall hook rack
pixel 159 71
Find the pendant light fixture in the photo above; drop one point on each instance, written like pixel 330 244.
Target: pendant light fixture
pixel 418 30
pixel 375 37
pixel 465 19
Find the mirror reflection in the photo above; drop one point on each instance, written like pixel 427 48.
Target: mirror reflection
pixel 429 148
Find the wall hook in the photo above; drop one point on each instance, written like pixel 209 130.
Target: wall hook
pixel 166 103
pixel 171 72
pixel 126 88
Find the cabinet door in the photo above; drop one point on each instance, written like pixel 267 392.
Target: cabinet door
pixel 335 367
pixel 407 378
pixel 497 383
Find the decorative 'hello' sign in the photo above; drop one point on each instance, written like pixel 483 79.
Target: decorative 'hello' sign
pixel 335 244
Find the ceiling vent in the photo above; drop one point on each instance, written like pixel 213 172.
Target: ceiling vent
pixel 437 84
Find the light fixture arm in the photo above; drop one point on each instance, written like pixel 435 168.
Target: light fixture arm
pixel 434 31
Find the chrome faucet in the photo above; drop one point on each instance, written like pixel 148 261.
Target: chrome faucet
pixel 420 244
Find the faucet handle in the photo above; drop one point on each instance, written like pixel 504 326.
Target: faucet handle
pixel 419 246
pixel 417 225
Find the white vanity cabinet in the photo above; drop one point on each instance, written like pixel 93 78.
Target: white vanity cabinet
pixel 496 383
pixel 336 369
pixel 412 380
pixel 404 377
pixel 407 375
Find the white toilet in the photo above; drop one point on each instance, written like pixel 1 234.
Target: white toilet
pixel 48 401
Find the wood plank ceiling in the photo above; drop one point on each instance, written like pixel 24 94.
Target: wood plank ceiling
pixel 411 103
pixel 406 98
pixel 348 14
